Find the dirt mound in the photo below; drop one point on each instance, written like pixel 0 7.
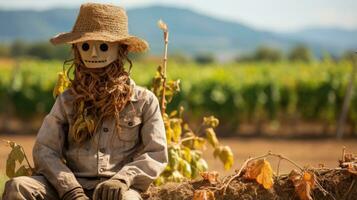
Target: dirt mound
pixel 337 184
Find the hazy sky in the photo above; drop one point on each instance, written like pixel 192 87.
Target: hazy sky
pixel 274 15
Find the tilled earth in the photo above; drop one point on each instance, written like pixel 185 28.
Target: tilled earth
pixel 338 184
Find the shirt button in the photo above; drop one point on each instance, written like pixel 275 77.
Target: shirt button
pixel 101 169
pixel 130 123
pixel 105 129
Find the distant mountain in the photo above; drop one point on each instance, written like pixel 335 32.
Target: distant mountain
pixel 34 25
pixel 190 32
pixel 331 37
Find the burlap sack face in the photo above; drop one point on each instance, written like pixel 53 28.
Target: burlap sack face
pixel 102 22
pixel 97 54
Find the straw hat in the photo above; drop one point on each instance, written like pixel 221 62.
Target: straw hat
pixel 101 22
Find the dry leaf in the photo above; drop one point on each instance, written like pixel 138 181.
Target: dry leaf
pixel 210 121
pixel 253 169
pixel 203 195
pixel 309 178
pixel 266 176
pixel 225 154
pixel 211 137
pixel 23 171
pixel 16 157
pixel 211 177
pixel 260 171
pixel 303 190
pixel 62 84
pixel 303 184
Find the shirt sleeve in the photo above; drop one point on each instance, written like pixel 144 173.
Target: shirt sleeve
pixel 148 165
pixel 48 148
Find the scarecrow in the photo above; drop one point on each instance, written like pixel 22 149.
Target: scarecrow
pixel 104 137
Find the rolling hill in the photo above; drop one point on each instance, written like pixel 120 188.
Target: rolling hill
pixel 190 31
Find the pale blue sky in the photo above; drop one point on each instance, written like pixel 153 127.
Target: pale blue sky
pixel 274 15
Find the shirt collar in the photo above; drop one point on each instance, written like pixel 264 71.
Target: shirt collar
pixel 134 95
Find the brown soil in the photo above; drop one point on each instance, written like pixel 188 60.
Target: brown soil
pixel 304 152
pixel 339 184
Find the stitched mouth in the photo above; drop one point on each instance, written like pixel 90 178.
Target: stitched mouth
pixel 96 61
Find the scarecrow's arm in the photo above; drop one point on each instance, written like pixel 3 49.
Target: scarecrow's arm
pixel 47 151
pixel 146 167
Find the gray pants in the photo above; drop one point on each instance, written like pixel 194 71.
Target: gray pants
pixel 38 188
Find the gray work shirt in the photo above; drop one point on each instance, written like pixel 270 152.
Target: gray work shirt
pixel 137 155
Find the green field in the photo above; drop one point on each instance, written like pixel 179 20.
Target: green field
pixel 234 92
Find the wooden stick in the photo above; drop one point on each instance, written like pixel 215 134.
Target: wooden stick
pixel 163 99
pixel 165 30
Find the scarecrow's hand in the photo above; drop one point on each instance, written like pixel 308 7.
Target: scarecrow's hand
pixel 75 194
pixel 110 190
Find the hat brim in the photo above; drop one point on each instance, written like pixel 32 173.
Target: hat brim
pixel 135 44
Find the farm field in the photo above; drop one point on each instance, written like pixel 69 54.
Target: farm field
pixel 273 94
pixel 262 114
pixel 304 152
pixel 243 96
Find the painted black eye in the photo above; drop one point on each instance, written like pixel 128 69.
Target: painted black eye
pixel 85 46
pixel 103 47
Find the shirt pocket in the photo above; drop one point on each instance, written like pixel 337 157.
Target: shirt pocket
pixel 129 133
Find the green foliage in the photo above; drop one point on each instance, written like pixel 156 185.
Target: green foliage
pixel 269 54
pixel 18 48
pixel 46 51
pixel 26 88
pixel 204 58
pixel 4 51
pixel 349 56
pixel 233 92
pixel 185 146
pixel 180 57
pixel 39 50
pixel 300 53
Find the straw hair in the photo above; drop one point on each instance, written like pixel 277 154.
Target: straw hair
pixel 101 22
pixel 104 92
